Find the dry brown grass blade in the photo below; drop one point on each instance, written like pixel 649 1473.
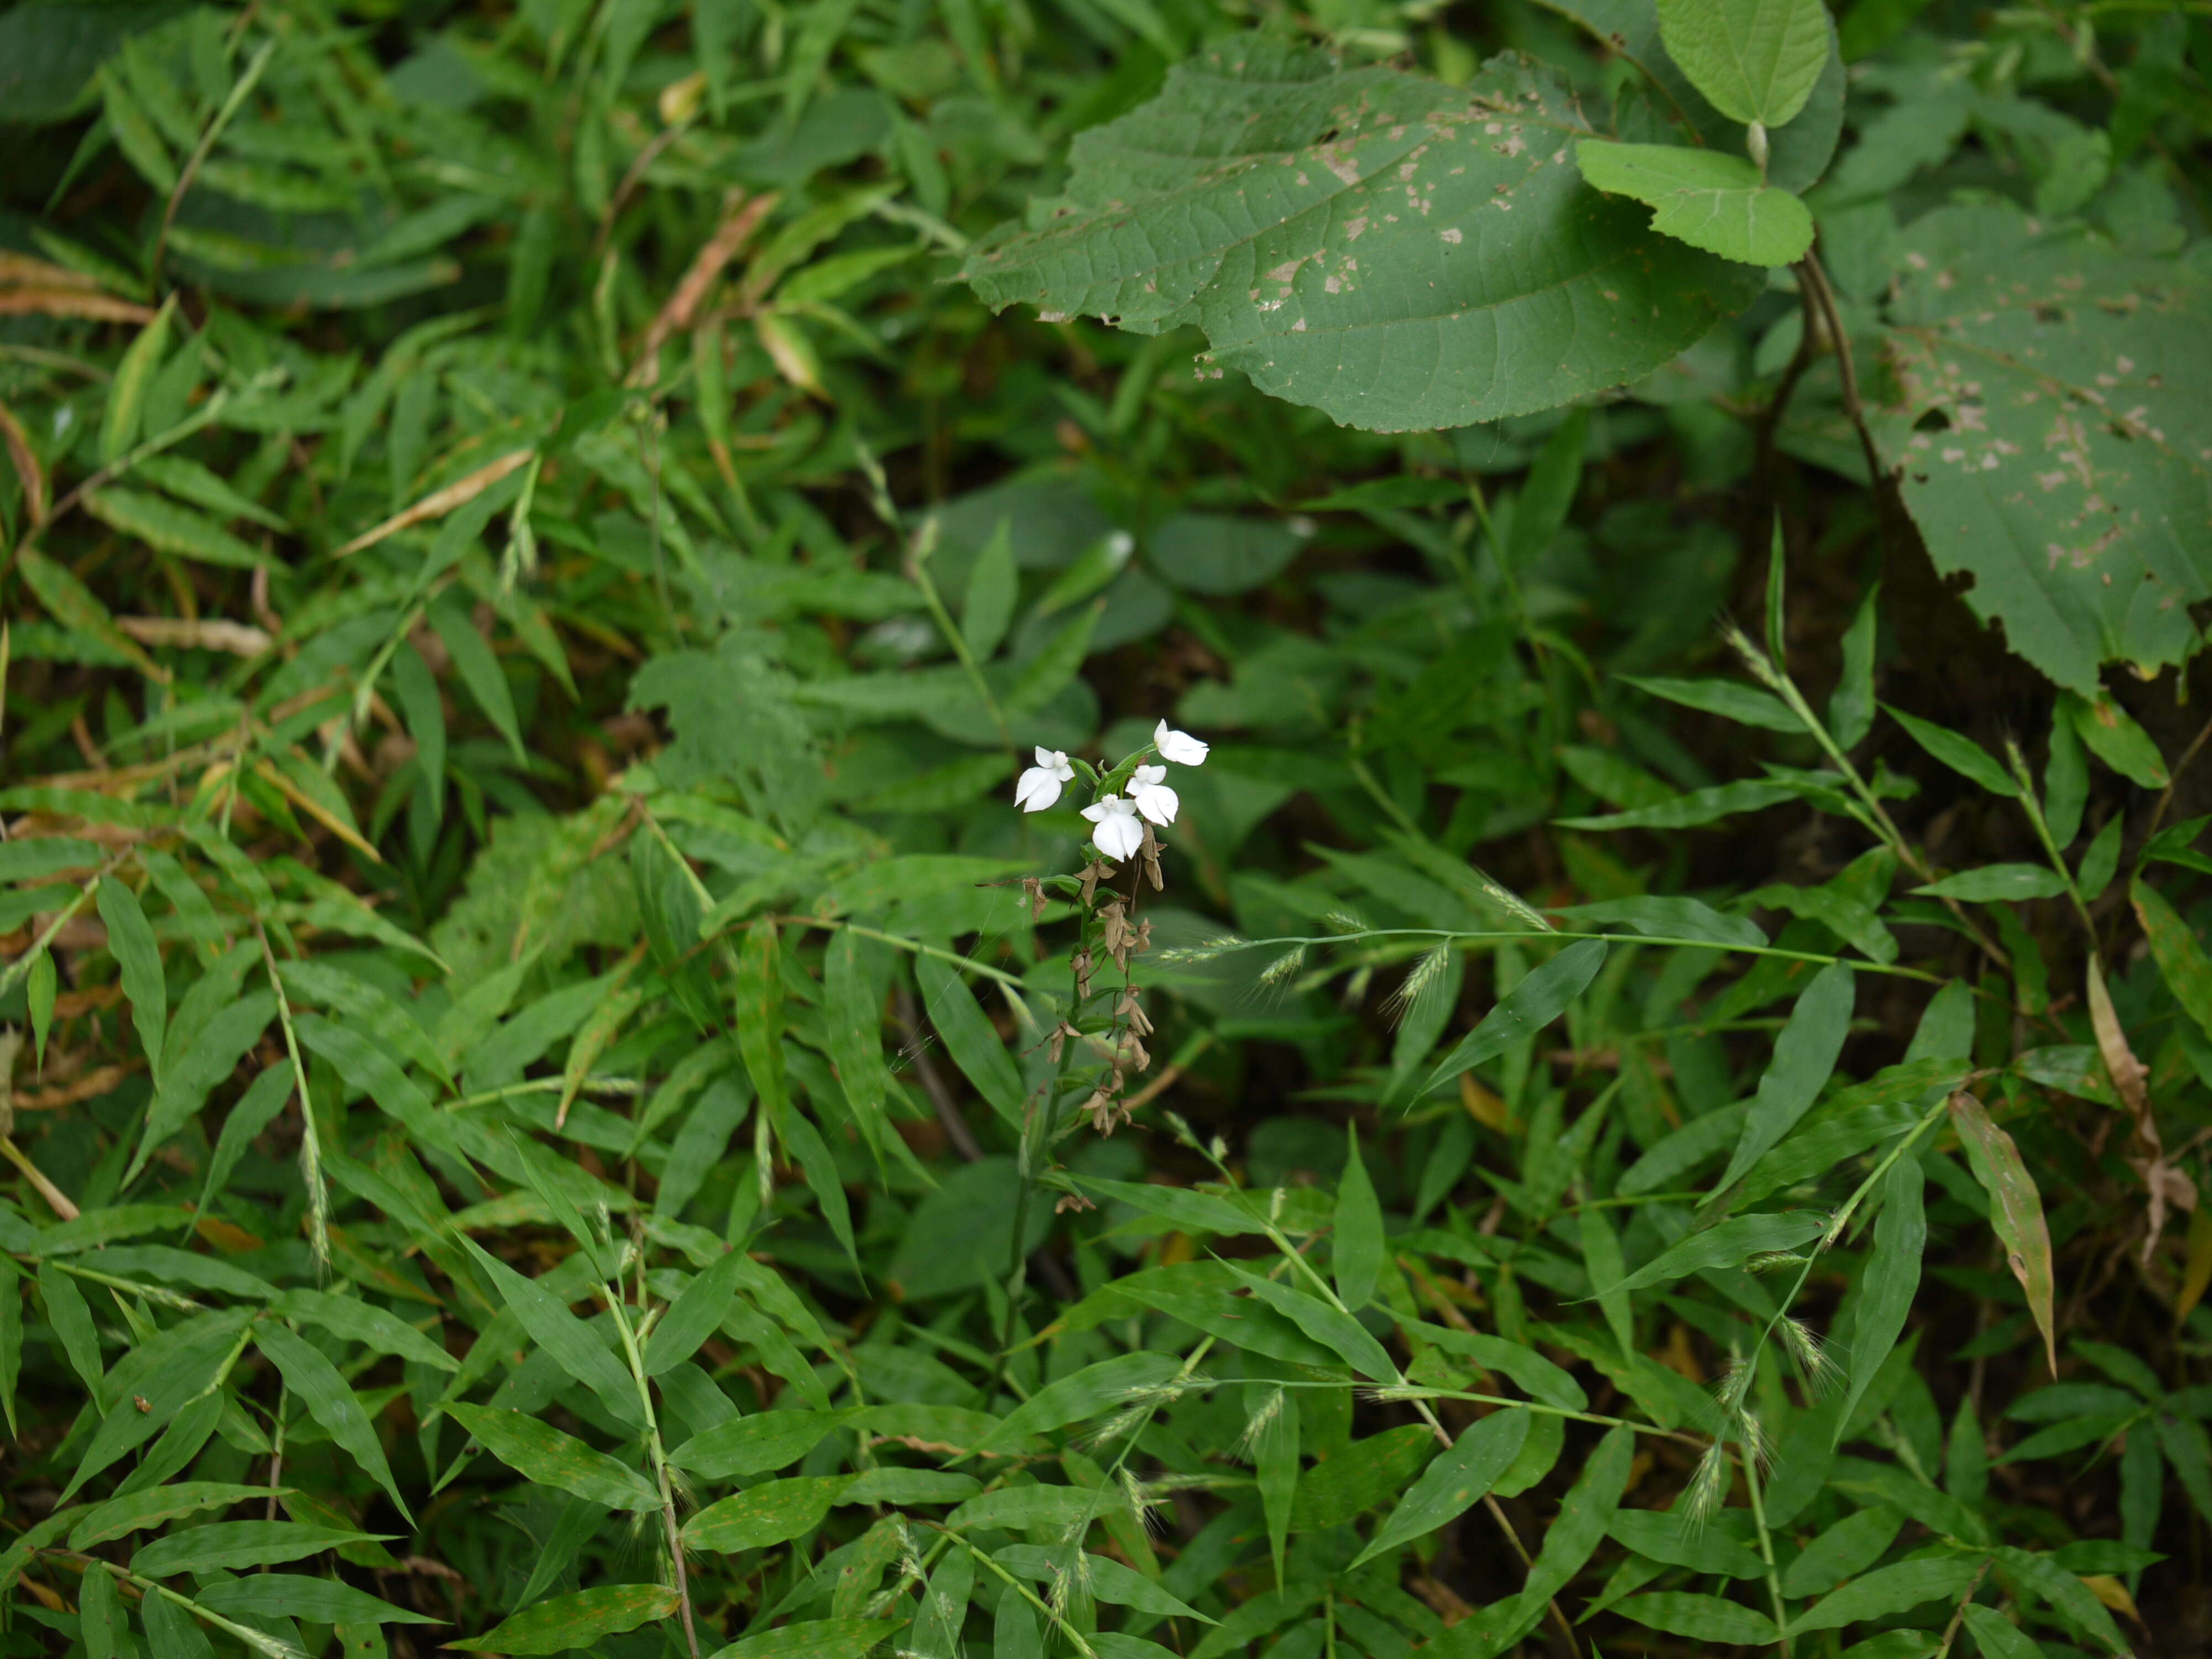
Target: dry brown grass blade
pixel 268 774
pixel 25 461
pixel 2169 1186
pixel 440 502
pixel 26 270
pixel 45 301
pixel 197 634
pixel 742 219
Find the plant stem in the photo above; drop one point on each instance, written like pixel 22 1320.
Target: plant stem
pixel 22 965
pixel 311 1144
pixel 658 1459
pixel 1075 1636
pixel 1567 936
pixel 1765 1544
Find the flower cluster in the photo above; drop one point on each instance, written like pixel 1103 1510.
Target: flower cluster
pixel 1117 832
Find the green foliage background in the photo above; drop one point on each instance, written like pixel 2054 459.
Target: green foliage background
pixel 555 1104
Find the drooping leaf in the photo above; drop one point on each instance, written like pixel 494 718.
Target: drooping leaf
pixel 1805 1054
pixel 1714 202
pixel 1331 1326
pixel 1573 1537
pixel 969 1038
pixel 1892 1277
pixel 1454 1481
pixel 331 1402
pixel 573 1344
pixel 1533 1003
pixel 130 937
pixel 358 1321
pixel 1357 1255
pixel 162 524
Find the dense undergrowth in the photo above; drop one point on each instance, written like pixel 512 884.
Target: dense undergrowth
pixel 1637 1082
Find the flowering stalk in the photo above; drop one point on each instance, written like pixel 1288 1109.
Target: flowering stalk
pixel 1130 799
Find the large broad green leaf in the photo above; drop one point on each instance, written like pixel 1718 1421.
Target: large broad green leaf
pixel 1396 252
pixel 1755 60
pixel 2052 439
pixel 1710 200
pixel 48 52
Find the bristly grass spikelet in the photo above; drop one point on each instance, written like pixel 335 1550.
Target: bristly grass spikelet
pixel 1708 1485
pixel 1264 1414
pixel 1821 1373
pixel 1419 987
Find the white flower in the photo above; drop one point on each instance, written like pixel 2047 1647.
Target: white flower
pixel 1180 747
pixel 1039 786
pixel 1118 833
pixel 1151 796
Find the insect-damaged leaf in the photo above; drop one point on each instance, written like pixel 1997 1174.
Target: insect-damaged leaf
pixel 1397 252
pixel 2064 471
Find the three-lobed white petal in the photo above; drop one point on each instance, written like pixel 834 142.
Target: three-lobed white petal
pixel 1180 747
pixel 1149 794
pixel 1039 786
pixel 1118 835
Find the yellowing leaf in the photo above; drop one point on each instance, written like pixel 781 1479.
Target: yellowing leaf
pixel 2015 1210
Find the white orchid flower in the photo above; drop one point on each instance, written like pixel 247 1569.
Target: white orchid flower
pixel 1149 794
pixel 1118 835
pixel 1180 747
pixel 1039 786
